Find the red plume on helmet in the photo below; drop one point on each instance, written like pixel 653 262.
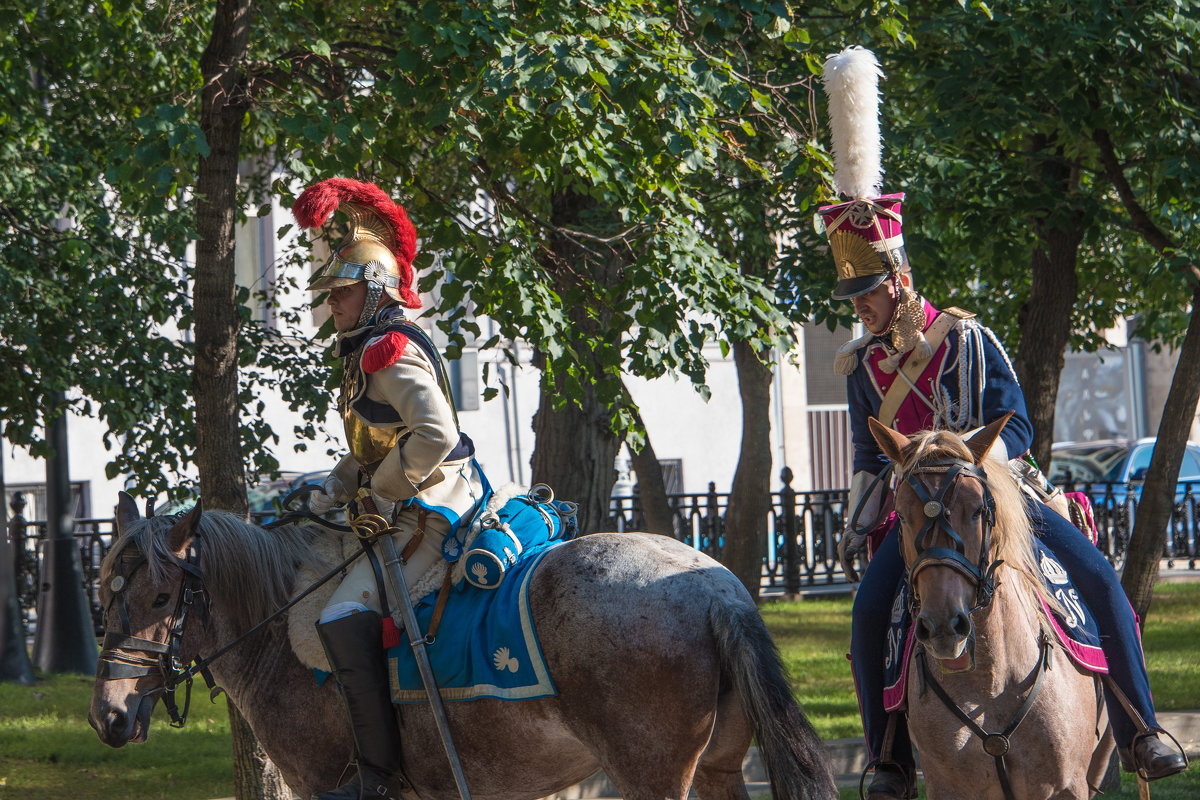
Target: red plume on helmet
pixel 394 230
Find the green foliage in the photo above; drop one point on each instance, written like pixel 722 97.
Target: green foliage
pixel 603 181
pixel 583 172
pixel 97 163
pixel 992 125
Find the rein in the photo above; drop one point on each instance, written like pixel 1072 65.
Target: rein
pixel 995 745
pixel 166 661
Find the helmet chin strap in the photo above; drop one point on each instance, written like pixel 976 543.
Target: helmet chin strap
pixel 370 303
pixel 897 290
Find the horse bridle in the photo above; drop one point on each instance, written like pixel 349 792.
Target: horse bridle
pixel 983 575
pixel 193 594
pixel 165 657
pixel 936 509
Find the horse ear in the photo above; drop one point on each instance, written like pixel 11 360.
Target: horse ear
pixel 982 441
pixel 891 442
pixel 181 535
pixel 127 511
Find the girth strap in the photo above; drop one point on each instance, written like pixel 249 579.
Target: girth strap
pixel 995 745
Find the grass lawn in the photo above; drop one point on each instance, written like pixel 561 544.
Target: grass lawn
pixel 49 752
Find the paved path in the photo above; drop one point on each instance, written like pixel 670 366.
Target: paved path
pixel 848 757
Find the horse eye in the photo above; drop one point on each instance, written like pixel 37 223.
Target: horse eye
pixel 161 600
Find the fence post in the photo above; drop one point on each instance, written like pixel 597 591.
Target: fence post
pixel 16 535
pixel 14 659
pixel 791 569
pixel 712 519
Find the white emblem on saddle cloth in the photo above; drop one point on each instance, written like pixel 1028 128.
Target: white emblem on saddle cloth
pixel 503 661
pixel 1054 571
pixel 1074 615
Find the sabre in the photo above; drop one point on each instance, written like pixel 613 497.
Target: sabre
pixel 372 527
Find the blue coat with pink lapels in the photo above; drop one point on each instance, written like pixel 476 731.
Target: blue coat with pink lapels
pixel 969 363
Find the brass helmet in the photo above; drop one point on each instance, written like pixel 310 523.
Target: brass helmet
pixel 379 245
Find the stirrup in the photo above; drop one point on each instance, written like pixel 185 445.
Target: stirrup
pixel 1129 756
pixel 903 785
pixel 368 783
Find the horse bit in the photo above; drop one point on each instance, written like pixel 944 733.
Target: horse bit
pixel 983 575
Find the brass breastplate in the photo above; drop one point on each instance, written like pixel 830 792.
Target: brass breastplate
pixel 368 444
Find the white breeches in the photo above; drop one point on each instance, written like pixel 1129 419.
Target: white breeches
pixel 359 591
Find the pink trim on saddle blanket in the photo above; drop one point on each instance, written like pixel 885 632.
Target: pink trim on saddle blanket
pixel 1087 656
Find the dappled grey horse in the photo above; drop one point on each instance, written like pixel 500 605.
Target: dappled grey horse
pixel 662 665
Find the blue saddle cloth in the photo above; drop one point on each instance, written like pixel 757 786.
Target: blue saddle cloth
pixel 1076 630
pixel 486 645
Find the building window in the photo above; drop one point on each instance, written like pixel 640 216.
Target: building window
pixel 34 495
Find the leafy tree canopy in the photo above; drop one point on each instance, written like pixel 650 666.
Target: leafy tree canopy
pixel 984 108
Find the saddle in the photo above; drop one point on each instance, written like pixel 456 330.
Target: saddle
pixel 482 642
pixel 1074 629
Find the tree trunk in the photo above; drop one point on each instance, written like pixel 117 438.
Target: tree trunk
pixel 254 775
pixel 750 495
pixel 574 455
pixel 214 301
pixel 1158 492
pixel 575 448
pixel 1045 319
pixel 652 491
pixel 215 309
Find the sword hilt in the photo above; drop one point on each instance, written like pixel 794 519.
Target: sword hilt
pixel 369 525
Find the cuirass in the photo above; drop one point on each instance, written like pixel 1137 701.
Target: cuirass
pixel 368 443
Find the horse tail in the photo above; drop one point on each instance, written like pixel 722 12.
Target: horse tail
pixel 796 759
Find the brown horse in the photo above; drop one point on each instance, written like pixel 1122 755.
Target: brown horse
pixel 996 709
pixel 662 665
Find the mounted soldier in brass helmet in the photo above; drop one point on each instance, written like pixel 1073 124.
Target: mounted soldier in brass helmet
pixel 407 457
pixel 919 368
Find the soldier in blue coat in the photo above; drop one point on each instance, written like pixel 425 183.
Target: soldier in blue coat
pixel 918 368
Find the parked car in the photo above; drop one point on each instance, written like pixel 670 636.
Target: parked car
pixel 1124 462
pixel 1112 473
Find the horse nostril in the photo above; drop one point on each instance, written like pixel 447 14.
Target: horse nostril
pixel 924 629
pixel 962 624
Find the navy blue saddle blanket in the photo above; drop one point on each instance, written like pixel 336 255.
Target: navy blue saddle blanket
pixel 486 645
pixel 1076 630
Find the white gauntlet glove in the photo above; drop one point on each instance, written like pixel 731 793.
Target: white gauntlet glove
pixel 867 507
pixel 332 493
pixel 387 508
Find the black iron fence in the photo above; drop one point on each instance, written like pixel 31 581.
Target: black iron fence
pixel 799 545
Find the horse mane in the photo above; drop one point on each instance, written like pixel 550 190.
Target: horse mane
pixel 252 568
pixel 1012 535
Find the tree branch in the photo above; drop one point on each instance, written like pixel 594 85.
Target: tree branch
pixel 1142 223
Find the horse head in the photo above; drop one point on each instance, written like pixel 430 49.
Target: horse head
pixel 948 496
pixel 150 587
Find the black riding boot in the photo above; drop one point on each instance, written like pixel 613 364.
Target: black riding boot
pixel 354 646
pixel 892 782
